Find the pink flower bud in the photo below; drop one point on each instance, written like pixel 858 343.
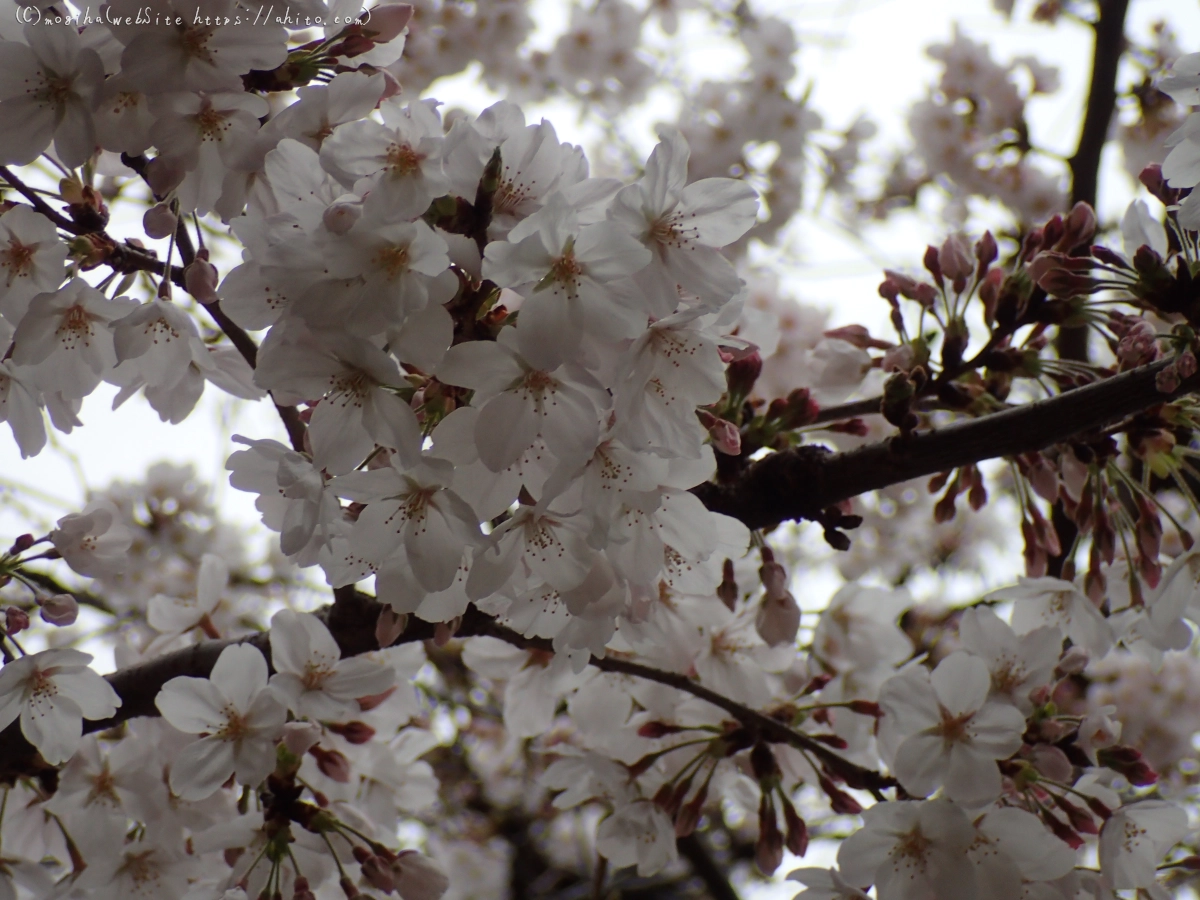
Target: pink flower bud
pixel 159 221
pixel 1074 661
pixel 60 610
pixel 986 250
pixel 378 874
pixel 200 279
pixel 389 20
pixel 164 174
pixel 332 763
pixel 955 259
pixel 1185 364
pixel 389 626
pixel 15 620
pixel 742 373
pixel 778 619
pixel 418 877
pixel 340 217
pixel 725 435
pixel 354 732
pixel 300 737
pixel 768 851
pixel 1079 227
pixel 21 544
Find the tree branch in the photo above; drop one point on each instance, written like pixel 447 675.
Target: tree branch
pixel 800 483
pixel 693 849
pixel 769 729
pixel 351 620
pixel 1101 101
pixel 38 203
pixel 1071 343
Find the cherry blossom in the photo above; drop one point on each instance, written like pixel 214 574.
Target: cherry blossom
pixel 638 834
pixel 952 734
pixel 563 269
pixel 311 675
pixel 32 259
pixel 1134 839
pixel 52 692
pixel 824 884
pixel 237 717
pixel 1018 666
pixel 352 375
pixel 49 85
pixel 66 339
pixel 399 162
pixel 684 224
pixel 1052 601
pixel 562 409
pixel 910 850
pixel 92 542
pixel 414 508
pixel 192 55
pixel 293 496
pixel 521 399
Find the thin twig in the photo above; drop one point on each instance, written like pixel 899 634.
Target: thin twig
pixel 37 202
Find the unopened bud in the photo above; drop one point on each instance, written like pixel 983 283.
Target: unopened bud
pixel 1074 661
pixel 389 20
pixel 332 763
pixel 389 626
pixel 839 801
pixel 200 279
pixel 1079 227
pixel 340 217
pixel 655 730
pixel 15 620
pixel 865 708
pixel 21 544
pixel 768 851
pixel 164 174
pixel 778 620
pixel 418 877
pixel 60 609
pixel 986 251
pixel 796 834
pixel 378 874
pixel 159 221
pixel 300 737
pixel 727 590
pixel 355 732
pixel 443 632
pixel 742 373
pixel 956 262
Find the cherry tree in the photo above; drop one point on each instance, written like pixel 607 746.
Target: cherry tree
pixel 550 461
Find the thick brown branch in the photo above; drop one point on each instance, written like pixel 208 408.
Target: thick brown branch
pixel 715 878
pixel 1101 101
pixel 800 483
pixel 1071 343
pixel 351 621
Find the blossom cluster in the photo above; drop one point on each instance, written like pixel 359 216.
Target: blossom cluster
pixel 503 379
